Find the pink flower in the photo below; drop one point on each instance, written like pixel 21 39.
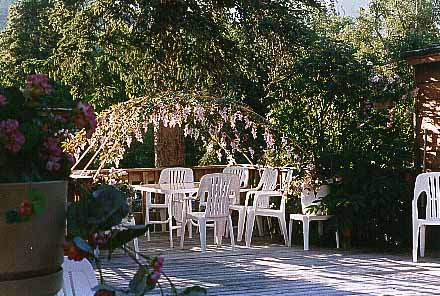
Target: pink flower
pixel 85 117
pixel 52 146
pixel 52 166
pixel 3 100
pixel 155 276
pixel 39 84
pixel 13 139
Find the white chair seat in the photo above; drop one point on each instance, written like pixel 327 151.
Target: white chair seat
pixel 301 217
pixel 195 215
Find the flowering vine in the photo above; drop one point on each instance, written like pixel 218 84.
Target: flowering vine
pixel 225 125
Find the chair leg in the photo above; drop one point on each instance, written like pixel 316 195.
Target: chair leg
pixel 269 223
pixel 220 232
pixel 231 230
pixel 260 225
pixel 202 225
pixel 182 233
pixel 250 227
pixel 170 225
pixel 163 217
pixel 337 239
pixel 283 229
pixel 290 232
pixel 241 221
pixel 136 247
pixel 422 240
pixel 306 223
pixel 147 221
pixel 415 241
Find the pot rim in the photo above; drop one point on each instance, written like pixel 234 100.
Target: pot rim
pixel 31 182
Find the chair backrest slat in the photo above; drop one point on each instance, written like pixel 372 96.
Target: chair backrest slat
pixel 176 175
pixel 216 189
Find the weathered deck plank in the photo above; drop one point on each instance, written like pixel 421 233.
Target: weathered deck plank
pixel 268 269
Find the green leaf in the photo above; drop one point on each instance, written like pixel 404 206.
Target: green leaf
pixel 124 236
pixel 38 200
pixel 83 245
pixel 138 283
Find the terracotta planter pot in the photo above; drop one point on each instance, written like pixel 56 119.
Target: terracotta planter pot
pixel 32 252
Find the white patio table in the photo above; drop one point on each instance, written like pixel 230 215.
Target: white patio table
pixel 189 189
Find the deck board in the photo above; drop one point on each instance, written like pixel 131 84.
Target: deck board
pixel 273 269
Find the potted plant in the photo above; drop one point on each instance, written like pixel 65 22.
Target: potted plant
pixel 95 222
pixel 34 168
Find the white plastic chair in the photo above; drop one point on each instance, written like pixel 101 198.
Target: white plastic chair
pixel 268 182
pixel 215 189
pixel 429 183
pixel 78 278
pixel 174 175
pixel 241 172
pixel 308 197
pixel 261 207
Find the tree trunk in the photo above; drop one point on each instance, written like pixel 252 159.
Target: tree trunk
pixel 169 147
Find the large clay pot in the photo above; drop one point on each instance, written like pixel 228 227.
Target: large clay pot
pixel 31 252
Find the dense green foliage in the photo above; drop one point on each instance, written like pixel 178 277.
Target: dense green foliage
pixel 335 86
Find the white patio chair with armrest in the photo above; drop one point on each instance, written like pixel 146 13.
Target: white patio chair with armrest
pixel 243 175
pixel 78 278
pixel 261 207
pixel 268 182
pixel 215 189
pixel 308 198
pixel 167 176
pixel 429 183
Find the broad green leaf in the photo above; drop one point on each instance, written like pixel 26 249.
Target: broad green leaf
pixel 83 245
pixel 124 236
pixel 138 283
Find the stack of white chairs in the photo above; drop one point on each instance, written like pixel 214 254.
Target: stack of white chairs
pixel 268 182
pixel 428 183
pixel 176 175
pixel 262 208
pixel 214 191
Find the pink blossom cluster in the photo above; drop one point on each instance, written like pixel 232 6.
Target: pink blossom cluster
pixel 3 100
pixel 157 265
pixel 54 154
pixel 39 83
pixel 85 117
pixel 12 137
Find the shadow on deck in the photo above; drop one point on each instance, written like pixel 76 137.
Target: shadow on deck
pixel 269 269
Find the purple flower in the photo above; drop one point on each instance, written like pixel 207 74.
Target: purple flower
pixel 155 276
pixel 375 79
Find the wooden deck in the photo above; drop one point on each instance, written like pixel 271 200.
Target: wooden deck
pixel 269 269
